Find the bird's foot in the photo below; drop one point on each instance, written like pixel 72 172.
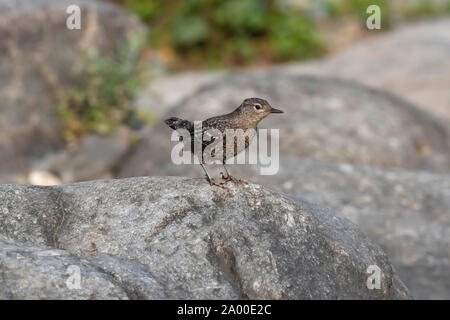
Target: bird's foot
pixel 231 178
pixel 213 183
pixel 227 178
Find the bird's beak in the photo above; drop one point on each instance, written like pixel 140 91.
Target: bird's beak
pixel 273 110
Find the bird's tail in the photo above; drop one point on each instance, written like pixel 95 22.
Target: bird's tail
pixel 177 123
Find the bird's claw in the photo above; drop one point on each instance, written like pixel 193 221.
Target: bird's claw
pixel 231 178
pixel 213 183
pixel 227 178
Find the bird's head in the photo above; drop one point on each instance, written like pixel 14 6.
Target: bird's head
pixel 256 109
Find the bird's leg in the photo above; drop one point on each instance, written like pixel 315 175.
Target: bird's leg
pixel 207 174
pixel 228 177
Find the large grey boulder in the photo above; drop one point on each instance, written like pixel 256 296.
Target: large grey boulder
pixel 164 237
pixel 39 58
pixel 412 62
pixel 37 273
pixel 325 118
pixel 406 213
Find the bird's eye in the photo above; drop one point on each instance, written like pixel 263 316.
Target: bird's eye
pixel 257 106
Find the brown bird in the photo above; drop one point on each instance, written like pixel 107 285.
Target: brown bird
pixel 246 116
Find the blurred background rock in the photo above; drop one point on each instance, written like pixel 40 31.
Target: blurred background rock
pixel 367 119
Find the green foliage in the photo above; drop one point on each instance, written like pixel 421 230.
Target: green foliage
pixel 293 37
pixel 190 31
pixel 241 16
pixel 143 8
pixel 217 32
pixel 102 99
pixel 426 8
pixel 241 32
